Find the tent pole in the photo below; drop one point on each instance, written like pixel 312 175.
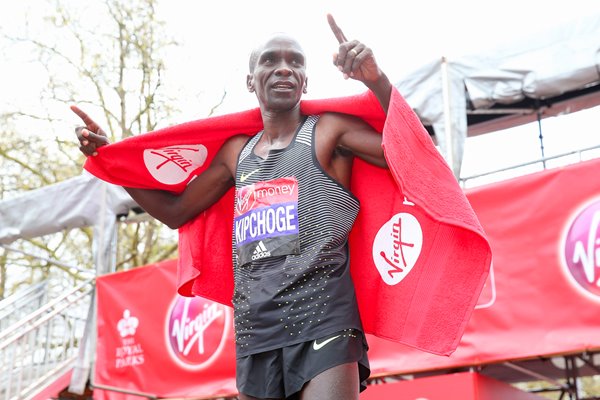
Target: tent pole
pixel 541 136
pixel 447 116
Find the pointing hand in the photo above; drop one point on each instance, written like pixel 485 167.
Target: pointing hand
pixel 354 59
pixel 90 136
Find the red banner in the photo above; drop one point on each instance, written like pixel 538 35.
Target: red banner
pixel 151 340
pixel 542 298
pixel 460 386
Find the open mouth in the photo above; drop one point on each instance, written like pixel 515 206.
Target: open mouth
pixel 283 85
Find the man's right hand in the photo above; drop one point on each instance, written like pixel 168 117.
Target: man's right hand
pixel 90 136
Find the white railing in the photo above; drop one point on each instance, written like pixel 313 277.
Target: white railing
pixel 44 344
pixel 531 166
pixel 15 307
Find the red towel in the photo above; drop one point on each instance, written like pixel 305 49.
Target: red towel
pixel 419 257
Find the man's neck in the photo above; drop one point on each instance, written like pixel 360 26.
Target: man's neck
pixel 279 126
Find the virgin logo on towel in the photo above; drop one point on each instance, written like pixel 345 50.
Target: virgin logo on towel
pixel 174 164
pixel 196 331
pixel 581 250
pixel 397 247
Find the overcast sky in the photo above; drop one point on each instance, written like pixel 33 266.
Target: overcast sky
pixel 215 39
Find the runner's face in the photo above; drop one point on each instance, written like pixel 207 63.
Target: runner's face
pixel 279 75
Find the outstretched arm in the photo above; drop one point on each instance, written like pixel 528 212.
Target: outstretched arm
pixel 344 134
pixel 171 209
pixel 175 210
pixel 356 61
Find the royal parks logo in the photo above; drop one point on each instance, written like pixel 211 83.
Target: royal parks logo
pixel 129 353
pixel 581 250
pixel 196 331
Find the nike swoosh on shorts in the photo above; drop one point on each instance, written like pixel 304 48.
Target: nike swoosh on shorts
pixel 317 346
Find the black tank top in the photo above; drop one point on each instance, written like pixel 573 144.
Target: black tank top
pixel 290 234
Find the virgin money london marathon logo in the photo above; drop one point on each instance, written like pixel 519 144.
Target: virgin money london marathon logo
pixel 581 250
pixel 174 164
pixel 244 199
pixel 397 247
pixel 129 353
pixel 196 331
pixel 266 219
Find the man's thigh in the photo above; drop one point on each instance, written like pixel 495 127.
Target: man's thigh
pixel 339 382
pixel 242 396
pixel 288 371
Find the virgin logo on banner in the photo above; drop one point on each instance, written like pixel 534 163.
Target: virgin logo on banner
pixel 581 250
pixel 196 331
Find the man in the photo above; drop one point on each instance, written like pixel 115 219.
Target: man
pixel 298 332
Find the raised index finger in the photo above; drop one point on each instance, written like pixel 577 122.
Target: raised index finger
pixel 339 35
pixel 84 117
pixel 89 123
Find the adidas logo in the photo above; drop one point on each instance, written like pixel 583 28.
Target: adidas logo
pixel 260 251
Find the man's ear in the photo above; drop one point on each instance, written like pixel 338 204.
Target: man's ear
pixel 304 89
pixel 250 83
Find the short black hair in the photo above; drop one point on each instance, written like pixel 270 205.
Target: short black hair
pixel 253 58
pixel 258 48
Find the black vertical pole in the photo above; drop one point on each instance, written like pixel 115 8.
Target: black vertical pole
pixel 541 136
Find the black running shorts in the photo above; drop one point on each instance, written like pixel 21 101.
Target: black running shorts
pixel 281 373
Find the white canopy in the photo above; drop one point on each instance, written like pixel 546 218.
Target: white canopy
pixel 75 203
pixel 545 75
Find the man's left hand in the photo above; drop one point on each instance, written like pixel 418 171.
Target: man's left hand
pixel 354 59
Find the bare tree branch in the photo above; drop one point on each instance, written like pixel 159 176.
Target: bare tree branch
pixel 214 108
